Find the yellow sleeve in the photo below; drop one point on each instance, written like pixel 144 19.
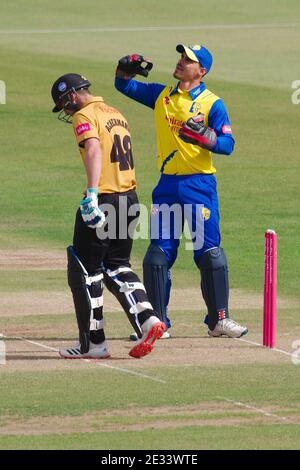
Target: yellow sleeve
pixel 84 127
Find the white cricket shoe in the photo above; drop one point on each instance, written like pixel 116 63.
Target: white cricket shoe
pixel 228 327
pixel 96 351
pixel 152 330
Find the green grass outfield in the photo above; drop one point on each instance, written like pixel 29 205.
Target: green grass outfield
pixel 255 47
pixel 188 435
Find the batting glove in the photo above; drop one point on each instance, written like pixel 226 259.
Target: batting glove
pixel 195 132
pixel 135 64
pixel 92 216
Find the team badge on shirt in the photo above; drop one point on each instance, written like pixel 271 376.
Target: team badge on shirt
pixel 195 108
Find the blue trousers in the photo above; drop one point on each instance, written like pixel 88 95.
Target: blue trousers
pixel 194 200
pixel 197 197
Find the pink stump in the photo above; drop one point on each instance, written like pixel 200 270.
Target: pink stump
pixel 270 281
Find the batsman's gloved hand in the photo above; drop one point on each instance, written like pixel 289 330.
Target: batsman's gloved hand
pixel 92 216
pixel 135 64
pixel 195 132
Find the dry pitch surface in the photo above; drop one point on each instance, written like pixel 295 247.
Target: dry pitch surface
pixel 188 346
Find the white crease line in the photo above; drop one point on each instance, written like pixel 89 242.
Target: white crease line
pixel 21 338
pixel 282 351
pixel 250 407
pixel 120 369
pixel 40 344
pixel 261 346
pixel 152 28
pixel 133 373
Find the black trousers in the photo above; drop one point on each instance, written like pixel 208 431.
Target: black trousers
pixel 108 250
pixel 113 252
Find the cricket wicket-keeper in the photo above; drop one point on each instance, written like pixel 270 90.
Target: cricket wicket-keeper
pixel 192 127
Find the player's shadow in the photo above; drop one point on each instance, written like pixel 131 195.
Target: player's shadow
pixel 23 357
pixel 37 338
pixel 52 338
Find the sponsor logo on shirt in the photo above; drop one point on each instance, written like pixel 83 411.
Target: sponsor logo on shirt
pixel 82 128
pixel 197 92
pixel 174 124
pixel 226 130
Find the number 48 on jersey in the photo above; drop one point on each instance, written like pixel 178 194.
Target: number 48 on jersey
pixel 121 152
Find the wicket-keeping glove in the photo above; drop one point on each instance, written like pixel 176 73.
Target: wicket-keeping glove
pixel 135 64
pixel 195 132
pixel 92 216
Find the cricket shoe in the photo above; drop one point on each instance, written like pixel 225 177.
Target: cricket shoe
pixel 96 351
pixel 152 330
pixel 228 327
pixel 165 335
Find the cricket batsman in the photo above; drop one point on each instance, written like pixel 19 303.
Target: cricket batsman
pixel 104 222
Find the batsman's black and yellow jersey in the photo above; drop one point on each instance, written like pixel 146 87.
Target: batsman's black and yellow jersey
pixel 97 119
